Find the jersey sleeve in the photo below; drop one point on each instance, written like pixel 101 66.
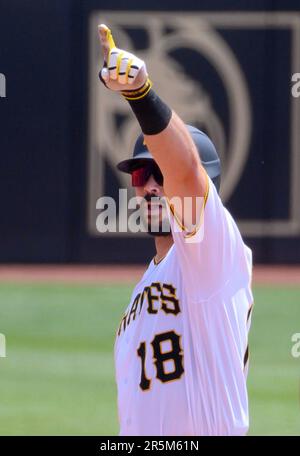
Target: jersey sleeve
pixel 214 253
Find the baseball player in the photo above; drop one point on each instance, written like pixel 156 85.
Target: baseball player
pixel 181 350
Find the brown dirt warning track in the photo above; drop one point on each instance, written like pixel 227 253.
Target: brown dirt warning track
pixel 263 275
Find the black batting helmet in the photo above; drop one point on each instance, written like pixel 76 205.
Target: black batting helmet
pixel 206 149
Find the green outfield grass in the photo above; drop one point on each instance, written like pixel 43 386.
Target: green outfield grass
pixel 58 376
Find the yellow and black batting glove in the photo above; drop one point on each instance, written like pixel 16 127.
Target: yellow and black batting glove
pixel 122 71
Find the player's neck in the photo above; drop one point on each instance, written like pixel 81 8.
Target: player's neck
pixel 162 245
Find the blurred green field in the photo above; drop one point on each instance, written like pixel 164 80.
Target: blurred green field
pixel 58 376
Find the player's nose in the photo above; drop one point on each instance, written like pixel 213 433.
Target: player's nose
pixel 152 187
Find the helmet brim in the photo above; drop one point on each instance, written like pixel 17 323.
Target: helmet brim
pixel 129 165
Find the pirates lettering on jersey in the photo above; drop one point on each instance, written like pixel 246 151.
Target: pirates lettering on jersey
pixel 157 297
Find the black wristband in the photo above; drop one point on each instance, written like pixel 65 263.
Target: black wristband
pixel 151 112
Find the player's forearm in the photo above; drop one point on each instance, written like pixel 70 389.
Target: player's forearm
pixel 166 137
pixel 174 150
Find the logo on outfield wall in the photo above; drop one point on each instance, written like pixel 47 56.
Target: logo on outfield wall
pixel 191 65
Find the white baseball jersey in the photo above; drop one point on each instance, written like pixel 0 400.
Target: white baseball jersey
pixel 182 346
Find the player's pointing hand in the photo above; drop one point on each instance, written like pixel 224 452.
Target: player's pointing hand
pixel 121 71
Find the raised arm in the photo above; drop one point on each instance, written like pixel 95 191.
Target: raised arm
pixel 165 134
pixel 177 157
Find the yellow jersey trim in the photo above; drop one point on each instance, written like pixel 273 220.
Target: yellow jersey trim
pixel 178 221
pixel 196 229
pixel 156 263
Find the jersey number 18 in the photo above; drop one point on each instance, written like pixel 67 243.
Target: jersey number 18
pixel 160 358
